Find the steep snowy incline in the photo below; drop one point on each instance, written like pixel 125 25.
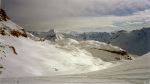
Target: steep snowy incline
pixel 8 28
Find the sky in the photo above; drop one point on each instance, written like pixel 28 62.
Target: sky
pixel 79 15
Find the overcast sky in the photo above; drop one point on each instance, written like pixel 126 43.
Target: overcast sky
pixel 82 15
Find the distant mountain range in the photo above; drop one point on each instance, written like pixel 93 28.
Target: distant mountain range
pixel 136 42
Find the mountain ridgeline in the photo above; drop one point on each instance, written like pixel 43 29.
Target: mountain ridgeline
pixel 135 42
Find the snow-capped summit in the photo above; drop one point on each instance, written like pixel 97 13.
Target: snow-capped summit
pixel 51 35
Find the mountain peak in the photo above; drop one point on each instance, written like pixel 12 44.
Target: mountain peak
pixel 51 35
pixel 3 15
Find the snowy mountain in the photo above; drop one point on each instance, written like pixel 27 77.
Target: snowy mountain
pixel 22 55
pixel 51 35
pixel 135 42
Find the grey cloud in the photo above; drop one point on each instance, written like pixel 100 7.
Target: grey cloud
pixel 117 7
pixel 32 12
pixel 55 8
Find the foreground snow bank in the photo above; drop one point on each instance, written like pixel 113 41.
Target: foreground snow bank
pixel 133 72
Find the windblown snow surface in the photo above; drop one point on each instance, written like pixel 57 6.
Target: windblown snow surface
pixel 133 72
pixel 26 61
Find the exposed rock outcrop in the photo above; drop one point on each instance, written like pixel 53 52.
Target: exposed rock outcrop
pixel 3 15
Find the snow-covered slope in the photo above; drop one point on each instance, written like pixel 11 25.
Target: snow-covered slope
pixel 8 28
pixel 44 58
pixel 40 59
pixel 133 72
pixel 4 49
pixel 104 51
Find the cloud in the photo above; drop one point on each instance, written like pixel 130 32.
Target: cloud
pixel 137 20
pixel 38 14
pixel 78 7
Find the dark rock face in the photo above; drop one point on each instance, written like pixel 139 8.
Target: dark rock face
pixel 18 33
pixel 3 15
